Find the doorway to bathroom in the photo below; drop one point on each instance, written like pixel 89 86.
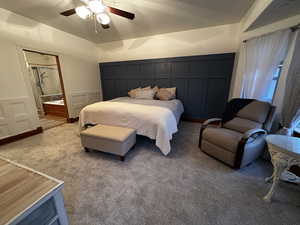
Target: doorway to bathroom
pixel 47 87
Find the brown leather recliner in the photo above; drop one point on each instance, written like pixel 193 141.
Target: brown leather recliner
pixel 239 137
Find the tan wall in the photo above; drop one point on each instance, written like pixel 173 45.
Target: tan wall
pixel 79 64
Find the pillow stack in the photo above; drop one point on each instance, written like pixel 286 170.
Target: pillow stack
pixel 145 93
pixel 132 93
pixel 164 94
pixel 142 93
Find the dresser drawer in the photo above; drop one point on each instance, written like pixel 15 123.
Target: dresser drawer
pixel 41 215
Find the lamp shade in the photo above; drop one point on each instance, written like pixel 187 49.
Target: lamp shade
pixel 103 18
pixel 83 12
pixel 96 6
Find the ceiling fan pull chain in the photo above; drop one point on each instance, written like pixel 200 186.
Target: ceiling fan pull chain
pixel 95 24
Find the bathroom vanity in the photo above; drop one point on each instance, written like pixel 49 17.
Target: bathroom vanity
pixel 29 197
pixel 55 108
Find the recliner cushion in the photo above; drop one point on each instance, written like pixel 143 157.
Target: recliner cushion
pixel 218 152
pixel 225 138
pixel 256 111
pixel 241 125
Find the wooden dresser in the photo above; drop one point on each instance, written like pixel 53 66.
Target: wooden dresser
pixel 28 197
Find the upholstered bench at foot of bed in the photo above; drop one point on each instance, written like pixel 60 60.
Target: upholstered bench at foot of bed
pixel 110 139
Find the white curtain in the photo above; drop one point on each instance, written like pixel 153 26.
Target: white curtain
pixel 290 115
pixel 262 55
pixel 239 72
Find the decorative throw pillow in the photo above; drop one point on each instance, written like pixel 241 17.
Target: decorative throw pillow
pixel 173 91
pixel 166 94
pixel 146 88
pixel 145 94
pixel 132 93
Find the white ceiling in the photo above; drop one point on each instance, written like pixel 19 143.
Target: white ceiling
pixel 276 11
pixel 152 16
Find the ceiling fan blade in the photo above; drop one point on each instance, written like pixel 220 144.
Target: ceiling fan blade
pixel 120 12
pixel 68 12
pixel 105 26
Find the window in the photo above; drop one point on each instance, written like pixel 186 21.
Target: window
pixel 274 83
pixel 297 129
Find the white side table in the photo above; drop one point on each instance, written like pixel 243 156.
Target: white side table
pixel 285 152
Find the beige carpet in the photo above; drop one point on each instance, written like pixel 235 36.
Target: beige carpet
pixel 49 121
pixel 186 187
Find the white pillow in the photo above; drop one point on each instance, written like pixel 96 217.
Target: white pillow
pixel 145 94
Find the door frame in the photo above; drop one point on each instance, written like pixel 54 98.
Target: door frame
pixel 59 74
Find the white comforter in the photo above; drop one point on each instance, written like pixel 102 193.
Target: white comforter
pixel 152 118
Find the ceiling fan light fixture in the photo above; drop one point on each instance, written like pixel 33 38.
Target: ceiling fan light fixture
pixel 96 6
pixel 83 12
pixel 103 18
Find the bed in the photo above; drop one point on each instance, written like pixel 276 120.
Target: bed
pixel 155 119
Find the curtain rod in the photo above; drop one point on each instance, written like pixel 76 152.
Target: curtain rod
pixel 293 29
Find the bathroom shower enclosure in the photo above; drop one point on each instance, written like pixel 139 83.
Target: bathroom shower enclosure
pixel 47 79
pixel 45 85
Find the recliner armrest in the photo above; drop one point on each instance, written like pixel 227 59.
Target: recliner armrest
pixel 204 125
pixel 212 120
pixel 248 135
pixel 252 132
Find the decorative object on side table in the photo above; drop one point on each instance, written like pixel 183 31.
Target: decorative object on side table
pixel 285 152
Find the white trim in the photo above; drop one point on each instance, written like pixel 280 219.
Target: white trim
pixel 16 116
pixel 78 100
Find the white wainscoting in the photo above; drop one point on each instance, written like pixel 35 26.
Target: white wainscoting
pixel 78 100
pixel 16 116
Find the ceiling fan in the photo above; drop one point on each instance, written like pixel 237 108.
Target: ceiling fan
pixel 97 11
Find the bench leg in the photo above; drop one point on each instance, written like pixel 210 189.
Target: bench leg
pixel 86 149
pixel 122 158
pixel 133 147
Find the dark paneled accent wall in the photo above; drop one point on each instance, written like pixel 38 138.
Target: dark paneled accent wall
pixel 202 82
